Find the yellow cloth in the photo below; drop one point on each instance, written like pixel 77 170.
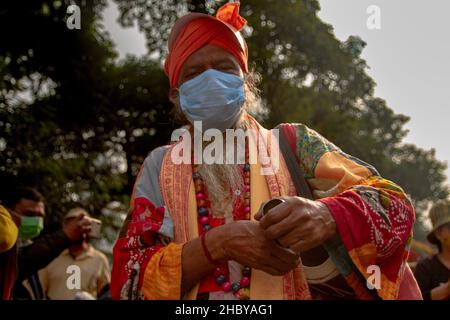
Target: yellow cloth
pixel 335 173
pixel 165 266
pixel 8 230
pixel 263 286
pixel 94 274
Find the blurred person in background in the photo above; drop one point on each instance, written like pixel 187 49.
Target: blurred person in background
pixel 433 274
pixel 8 253
pixel 26 206
pixel 94 272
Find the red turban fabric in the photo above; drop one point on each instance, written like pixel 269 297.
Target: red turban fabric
pixel 196 30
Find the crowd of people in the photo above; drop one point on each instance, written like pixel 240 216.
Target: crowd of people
pixel 38 267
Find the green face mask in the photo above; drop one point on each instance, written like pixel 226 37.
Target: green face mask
pixel 30 227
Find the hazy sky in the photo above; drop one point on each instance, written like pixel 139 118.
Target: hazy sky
pixel 408 58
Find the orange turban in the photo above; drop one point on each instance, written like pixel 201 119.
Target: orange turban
pixel 195 30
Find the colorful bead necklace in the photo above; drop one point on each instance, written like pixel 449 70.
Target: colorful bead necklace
pixel 241 289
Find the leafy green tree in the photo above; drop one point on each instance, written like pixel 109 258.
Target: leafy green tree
pixel 50 95
pixel 73 123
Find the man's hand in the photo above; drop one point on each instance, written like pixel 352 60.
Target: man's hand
pixel 244 242
pixel 298 224
pixel 77 228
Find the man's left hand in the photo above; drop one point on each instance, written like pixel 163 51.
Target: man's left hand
pixel 298 224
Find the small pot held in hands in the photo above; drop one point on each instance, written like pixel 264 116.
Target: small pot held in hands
pixel 312 257
pixel 271 204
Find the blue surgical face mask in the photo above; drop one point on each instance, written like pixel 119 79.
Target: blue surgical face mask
pixel 213 97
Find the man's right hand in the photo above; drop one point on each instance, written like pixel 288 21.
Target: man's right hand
pixel 245 243
pixel 77 228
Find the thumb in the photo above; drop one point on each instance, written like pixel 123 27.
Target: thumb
pixel 258 216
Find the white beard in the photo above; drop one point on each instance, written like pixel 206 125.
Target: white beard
pixel 222 181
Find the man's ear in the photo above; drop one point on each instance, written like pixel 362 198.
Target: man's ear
pixel 174 96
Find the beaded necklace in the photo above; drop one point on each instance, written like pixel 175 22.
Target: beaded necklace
pixel 241 288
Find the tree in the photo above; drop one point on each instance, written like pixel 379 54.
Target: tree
pixel 74 123
pixel 50 86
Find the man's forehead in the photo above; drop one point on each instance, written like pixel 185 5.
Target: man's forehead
pixel 32 205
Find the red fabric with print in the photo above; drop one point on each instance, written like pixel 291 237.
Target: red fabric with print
pixel 357 222
pixel 138 245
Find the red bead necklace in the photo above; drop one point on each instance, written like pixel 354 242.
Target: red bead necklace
pixel 241 289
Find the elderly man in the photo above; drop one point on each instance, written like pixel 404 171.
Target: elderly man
pixel 195 231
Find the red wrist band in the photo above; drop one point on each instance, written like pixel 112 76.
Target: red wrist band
pixel 206 251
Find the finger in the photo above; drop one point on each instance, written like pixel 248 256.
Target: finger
pixel 285 255
pixel 85 223
pixel 276 231
pixel 290 239
pixel 303 245
pixel 266 206
pixel 260 212
pixel 293 222
pixel 275 215
pixel 302 231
